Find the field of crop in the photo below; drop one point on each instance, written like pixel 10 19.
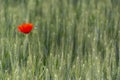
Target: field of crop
pixel 71 40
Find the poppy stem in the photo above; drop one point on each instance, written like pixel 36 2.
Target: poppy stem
pixel 25 53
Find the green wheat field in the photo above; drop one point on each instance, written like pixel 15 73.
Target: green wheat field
pixel 71 40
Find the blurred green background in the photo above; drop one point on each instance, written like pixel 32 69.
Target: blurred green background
pixel 71 40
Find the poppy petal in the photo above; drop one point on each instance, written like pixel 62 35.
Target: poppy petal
pixel 25 28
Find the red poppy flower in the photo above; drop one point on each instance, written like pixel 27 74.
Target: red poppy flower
pixel 25 28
